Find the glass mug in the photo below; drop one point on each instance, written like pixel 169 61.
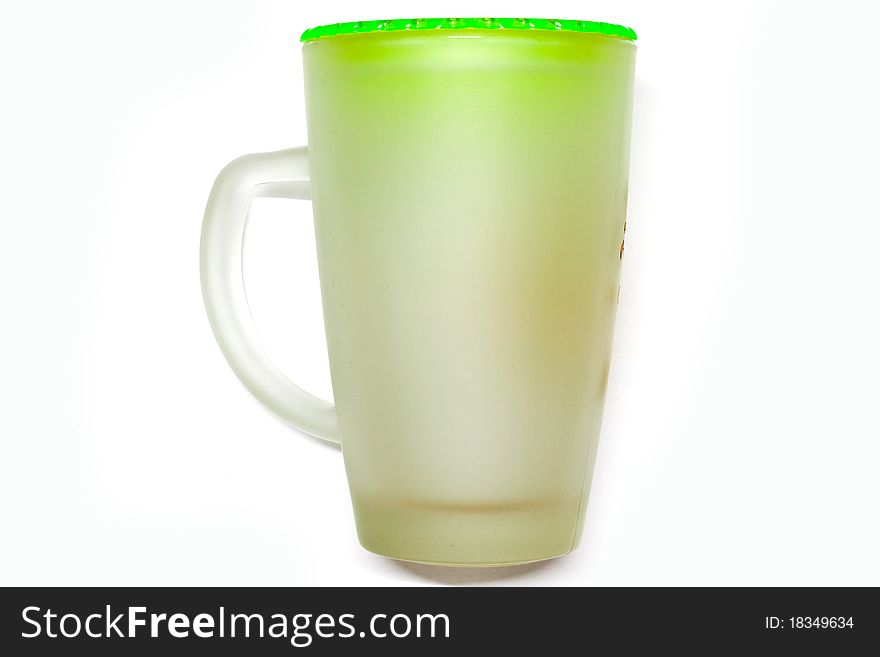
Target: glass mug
pixel 469 187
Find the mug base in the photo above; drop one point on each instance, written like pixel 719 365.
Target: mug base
pixel 469 535
pixel 445 564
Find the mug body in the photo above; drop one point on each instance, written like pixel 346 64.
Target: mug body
pixel 469 193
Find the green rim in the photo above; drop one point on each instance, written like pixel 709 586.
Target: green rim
pixel 416 24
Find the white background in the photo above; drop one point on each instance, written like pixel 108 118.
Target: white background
pixel 740 443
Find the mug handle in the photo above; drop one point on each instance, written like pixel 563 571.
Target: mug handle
pixel 282 174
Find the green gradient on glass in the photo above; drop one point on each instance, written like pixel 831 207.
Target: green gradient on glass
pixel 410 24
pixel 469 194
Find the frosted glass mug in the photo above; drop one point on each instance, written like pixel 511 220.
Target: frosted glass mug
pixel 469 187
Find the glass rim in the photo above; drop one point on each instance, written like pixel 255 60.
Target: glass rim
pixel 486 24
